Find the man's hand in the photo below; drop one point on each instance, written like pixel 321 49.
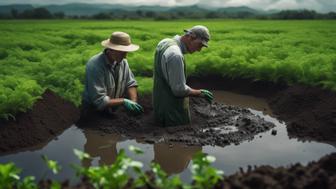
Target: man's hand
pixel 133 106
pixel 207 95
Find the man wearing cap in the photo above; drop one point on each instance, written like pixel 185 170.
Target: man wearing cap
pixel 170 91
pixel 108 77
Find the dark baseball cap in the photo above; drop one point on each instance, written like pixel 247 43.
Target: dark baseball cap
pixel 201 32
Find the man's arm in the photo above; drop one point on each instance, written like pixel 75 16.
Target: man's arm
pixel 132 93
pixel 173 71
pixel 131 84
pixel 194 92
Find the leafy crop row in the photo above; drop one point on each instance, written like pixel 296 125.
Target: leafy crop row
pixel 52 54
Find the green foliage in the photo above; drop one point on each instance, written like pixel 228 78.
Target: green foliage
pixel 111 176
pixel 9 175
pixel 17 95
pixel 204 176
pixel 145 85
pixel 9 178
pixel 161 179
pixel 117 174
pixel 27 183
pixel 53 55
pixel 52 164
pixel 81 155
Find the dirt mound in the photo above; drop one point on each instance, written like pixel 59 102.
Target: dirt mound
pixel 321 174
pixel 48 117
pixel 214 124
pixel 310 112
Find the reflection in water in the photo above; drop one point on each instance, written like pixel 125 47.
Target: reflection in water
pixel 244 101
pixel 174 159
pixel 100 145
pixel 265 148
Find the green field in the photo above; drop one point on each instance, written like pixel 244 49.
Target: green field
pixel 35 55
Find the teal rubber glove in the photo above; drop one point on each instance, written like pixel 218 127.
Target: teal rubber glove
pixel 133 106
pixel 207 95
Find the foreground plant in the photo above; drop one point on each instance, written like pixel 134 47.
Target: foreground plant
pixel 205 176
pixel 109 176
pixel 9 178
pixel 117 174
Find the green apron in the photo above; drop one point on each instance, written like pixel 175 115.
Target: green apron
pixel 169 110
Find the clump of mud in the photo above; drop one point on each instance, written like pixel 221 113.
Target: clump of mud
pixel 321 174
pixel 212 124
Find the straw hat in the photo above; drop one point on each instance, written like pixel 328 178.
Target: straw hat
pixel 120 41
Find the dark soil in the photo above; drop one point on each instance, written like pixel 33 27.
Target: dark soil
pixel 48 118
pixel 321 174
pixel 214 124
pixel 309 112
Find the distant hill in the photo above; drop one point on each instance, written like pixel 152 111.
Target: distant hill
pixel 118 11
pixel 91 9
pixel 239 9
pixel 6 9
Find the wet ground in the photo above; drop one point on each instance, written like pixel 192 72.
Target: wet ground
pixel 310 133
pixel 272 147
pixel 212 124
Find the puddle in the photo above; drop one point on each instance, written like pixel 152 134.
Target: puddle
pixel 264 149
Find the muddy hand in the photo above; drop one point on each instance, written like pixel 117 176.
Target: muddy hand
pixel 133 106
pixel 207 95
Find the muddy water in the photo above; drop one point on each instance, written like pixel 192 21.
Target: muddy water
pixel 266 148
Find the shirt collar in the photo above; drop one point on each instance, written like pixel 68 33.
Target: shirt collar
pixel 180 44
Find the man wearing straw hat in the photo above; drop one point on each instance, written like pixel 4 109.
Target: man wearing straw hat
pixel 170 92
pixel 108 78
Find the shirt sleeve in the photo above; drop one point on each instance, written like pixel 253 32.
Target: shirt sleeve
pixel 96 88
pixel 173 71
pixel 130 79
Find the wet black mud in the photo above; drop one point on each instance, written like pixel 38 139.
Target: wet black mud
pixel 212 124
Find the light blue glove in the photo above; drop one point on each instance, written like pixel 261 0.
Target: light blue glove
pixel 207 95
pixel 133 106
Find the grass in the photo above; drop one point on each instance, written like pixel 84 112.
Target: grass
pixel 35 55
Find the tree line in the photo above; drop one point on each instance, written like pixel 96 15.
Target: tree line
pixel 43 13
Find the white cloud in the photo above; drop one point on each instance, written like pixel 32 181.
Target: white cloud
pixel 290 4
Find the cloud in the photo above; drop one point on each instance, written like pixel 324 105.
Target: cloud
pixel 299 4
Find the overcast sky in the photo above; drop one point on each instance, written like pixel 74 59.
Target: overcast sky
pixel 318 5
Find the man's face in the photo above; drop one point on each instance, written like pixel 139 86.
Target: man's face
pixel 119 56
pixel 195 45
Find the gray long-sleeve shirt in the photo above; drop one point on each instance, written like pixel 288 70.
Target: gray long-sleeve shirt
pixel 101 84
pixel 172 64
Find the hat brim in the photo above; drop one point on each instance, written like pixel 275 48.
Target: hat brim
pixel 129 48
pixel 205 43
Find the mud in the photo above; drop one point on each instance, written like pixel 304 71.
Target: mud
pixel 321 174
pixel 309 113
pixel 212 124
pixel 48 118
